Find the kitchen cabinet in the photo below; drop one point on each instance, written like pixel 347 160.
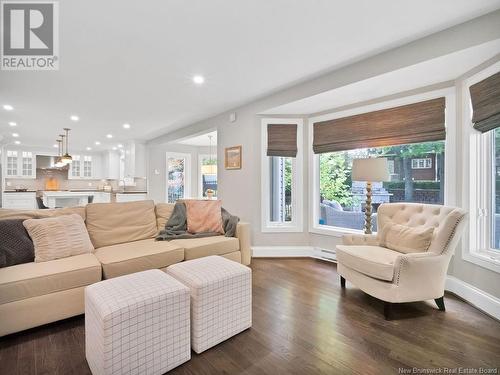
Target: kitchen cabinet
pixel 102 197
pixel 111 165
pixel 130 197
pixel 20 164
pixel 19 201
pixel 84 167
pixel 134 160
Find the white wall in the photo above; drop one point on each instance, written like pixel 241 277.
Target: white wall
pixel 240 189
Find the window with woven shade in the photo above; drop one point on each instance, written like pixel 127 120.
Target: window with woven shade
pixel 282 140
pixel 485 100
pixel 412 123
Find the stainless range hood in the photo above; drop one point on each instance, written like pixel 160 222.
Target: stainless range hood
pixel 48 163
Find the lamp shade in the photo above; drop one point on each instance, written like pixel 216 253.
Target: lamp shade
pixel 370 169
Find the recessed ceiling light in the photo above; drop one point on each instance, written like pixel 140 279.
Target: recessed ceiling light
pixel 97 143
pixel 89 148
pixel 126 126
pixel 8 107
pixel 114 148
pixel 17 142
pixel 74 118
pixel 120 145
pixel 109 136
pixel 55 146
pixel 12 123
pixel 15 135
pixel 198 79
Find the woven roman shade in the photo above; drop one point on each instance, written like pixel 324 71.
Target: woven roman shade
pixel 412 123
pixel 485 97
pixel 282 140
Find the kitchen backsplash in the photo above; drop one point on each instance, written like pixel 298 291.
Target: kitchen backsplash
pixel 61 178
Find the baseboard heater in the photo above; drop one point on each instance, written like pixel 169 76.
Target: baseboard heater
pixel 325 254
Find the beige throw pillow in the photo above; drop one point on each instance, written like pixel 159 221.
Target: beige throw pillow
pixel 204 216
pixel 58 237
pixel 406 239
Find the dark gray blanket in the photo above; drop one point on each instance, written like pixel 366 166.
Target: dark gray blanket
pixel 176 226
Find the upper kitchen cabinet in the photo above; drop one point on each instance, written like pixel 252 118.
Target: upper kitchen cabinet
pixel 85 167
pixel 111 165
pixel 134 160
pixel 20 164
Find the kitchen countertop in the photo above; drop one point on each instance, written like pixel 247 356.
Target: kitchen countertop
pixel 13 191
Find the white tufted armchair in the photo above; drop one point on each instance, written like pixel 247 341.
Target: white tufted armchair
pixel 396 277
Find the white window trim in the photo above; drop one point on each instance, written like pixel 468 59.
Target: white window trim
pixel 450 197
pixel 477 182
pixel 187 172
pixel 200 177
pixel 296 225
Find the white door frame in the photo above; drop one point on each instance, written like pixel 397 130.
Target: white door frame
pixel 187 172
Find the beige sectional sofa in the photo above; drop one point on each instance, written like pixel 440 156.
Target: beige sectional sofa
pixel 123 235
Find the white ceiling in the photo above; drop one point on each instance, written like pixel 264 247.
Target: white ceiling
pixel 442 69
pixel 132 61
pixel 201 140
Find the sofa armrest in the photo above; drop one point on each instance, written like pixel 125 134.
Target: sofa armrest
pixel 360 239
pixel 243 234
pixel 422 271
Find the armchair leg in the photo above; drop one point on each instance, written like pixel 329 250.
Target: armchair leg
pixel 342 282
pixel 440 303
pixel 387 310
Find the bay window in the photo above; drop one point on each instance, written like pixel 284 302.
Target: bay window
pixel 342 201
pixel 281 175
pixel 412 133
pixel 481 135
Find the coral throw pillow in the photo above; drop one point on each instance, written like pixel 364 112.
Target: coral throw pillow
pixel 58 237
pixel 204 216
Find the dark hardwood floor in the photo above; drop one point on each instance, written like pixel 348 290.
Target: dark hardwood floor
pixel 303 323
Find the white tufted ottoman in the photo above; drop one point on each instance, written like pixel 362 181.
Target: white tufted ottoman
pixel 137 324
pixel 221 298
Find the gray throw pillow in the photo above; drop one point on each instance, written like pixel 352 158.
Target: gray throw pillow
pixel 16 246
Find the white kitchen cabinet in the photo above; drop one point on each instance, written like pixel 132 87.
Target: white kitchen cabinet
pixel 111 165
pixel 20 164
pixel 19 201
pixel 84 167
pixel 131 197
pixel 134 155
pixel 102 197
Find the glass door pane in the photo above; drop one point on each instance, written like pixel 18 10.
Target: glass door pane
pixel 176 178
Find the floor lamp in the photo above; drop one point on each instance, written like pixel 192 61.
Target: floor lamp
pixel 369 170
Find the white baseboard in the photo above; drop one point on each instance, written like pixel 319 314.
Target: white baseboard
pixel 476 297
pixel 281 251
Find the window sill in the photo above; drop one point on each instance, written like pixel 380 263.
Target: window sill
pixel 334 231
pixel 282 229
pixel 483 258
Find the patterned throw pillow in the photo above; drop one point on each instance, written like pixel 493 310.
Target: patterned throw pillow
pixel 204 216
pixel 58 237
pixel 16 246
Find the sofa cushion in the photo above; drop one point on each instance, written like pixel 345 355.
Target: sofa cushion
pixel 163 212
pixel 130 257
pixel 202 247
pixel 374 261
pixel 7 213
pixel 115 223
pixel 36 279
pixel 58 237
pixel 16 246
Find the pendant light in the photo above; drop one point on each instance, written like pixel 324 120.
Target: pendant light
pixel 210 168
pixel 66 158
pixel 58 162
